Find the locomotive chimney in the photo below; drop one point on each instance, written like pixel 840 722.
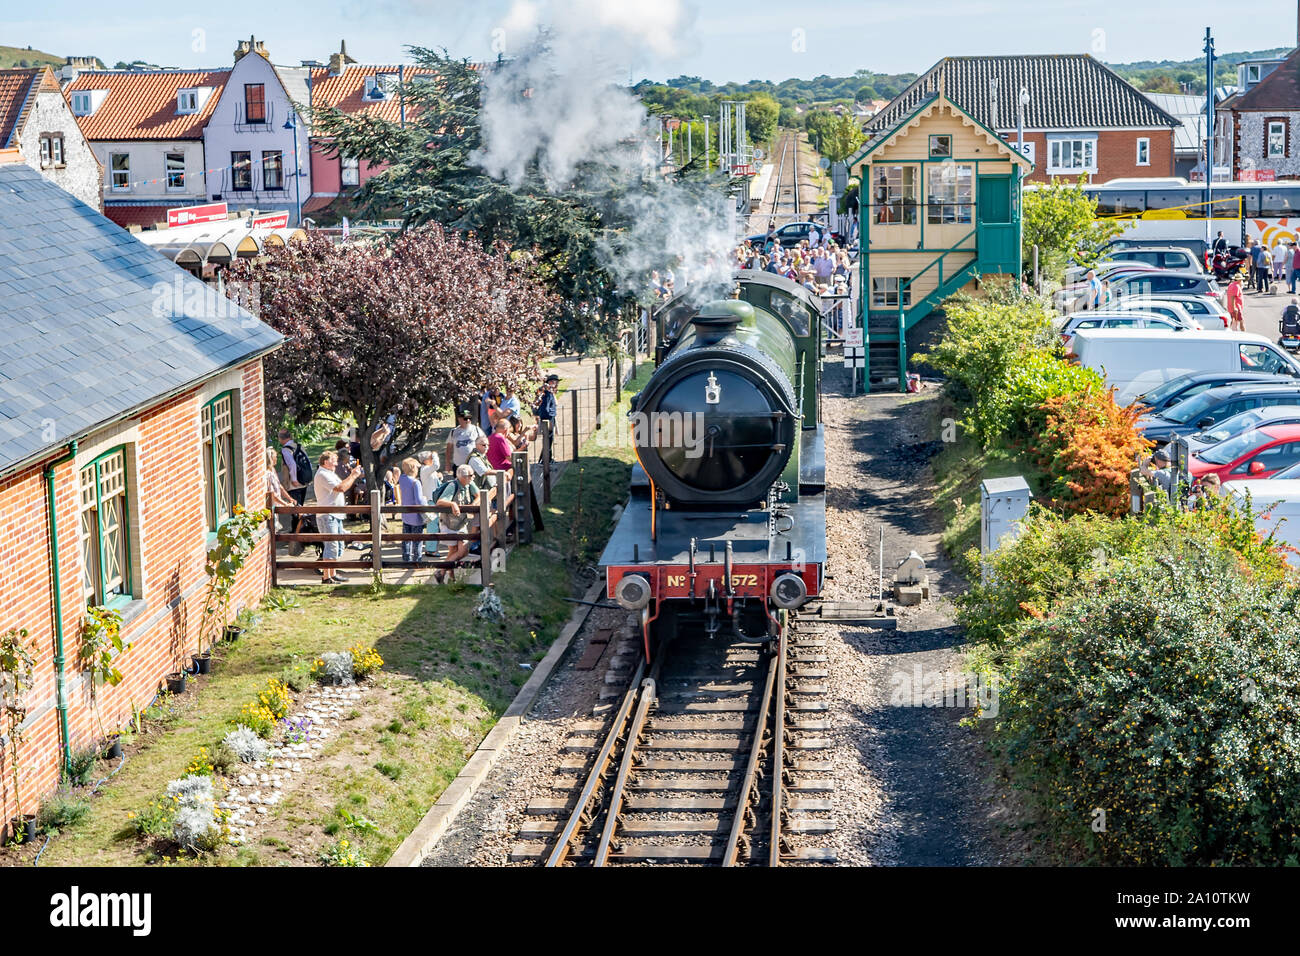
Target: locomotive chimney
pixel 715 321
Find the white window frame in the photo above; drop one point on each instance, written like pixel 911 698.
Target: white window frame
pixel 47 148
pixel 1252 68
pixel 167 171
pixel 81 103
pixel 884 292
pixel 187 101
pixel 1072 154
pixel 950 187
pixel 1281 132
pixel 113 171
pixel 349 171
pixel 57 155
pixel 385 82
pixel 1144 149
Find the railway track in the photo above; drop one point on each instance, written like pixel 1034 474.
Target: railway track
pixel 784 203
pixel 683 769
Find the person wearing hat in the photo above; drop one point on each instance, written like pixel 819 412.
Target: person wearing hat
pixel 1163 475
pixel 547 408
pixel 462 438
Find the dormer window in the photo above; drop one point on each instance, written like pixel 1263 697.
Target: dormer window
pixel 380 87
pixel 1252 73
pixel 81 103
pixel 187 101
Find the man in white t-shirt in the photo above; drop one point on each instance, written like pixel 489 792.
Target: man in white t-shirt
pixel 462 438
pixel 331 491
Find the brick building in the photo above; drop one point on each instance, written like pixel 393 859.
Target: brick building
pixel 1082 118
pixel 131 422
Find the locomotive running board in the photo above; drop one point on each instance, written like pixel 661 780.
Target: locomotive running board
pixel 851 612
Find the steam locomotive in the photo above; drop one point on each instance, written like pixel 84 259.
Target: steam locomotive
pixel 725 529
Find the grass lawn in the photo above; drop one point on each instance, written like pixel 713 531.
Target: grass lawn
pixel 447 677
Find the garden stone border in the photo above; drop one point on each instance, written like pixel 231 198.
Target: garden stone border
pixel 430 830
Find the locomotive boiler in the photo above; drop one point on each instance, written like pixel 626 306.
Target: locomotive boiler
pixel 725 528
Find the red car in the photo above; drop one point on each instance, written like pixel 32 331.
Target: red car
pixel 1255 454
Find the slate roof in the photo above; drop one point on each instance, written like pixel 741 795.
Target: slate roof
pixel 1190 110
pixel 84 342
pixel 141 104
pixel 1067 92
pixel 1280 90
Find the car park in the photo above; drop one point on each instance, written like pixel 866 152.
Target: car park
pixel 1139 361
pixel 1255 454
pixel 1215 405
pixel 1096 319
pixel 1241 423
pixel 1155 283
pixel 1183 387
pixel 1075 296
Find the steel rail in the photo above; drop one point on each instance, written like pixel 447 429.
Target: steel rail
pixel 778 749
pixel 562 847
pixel 749 784
pixel 648 697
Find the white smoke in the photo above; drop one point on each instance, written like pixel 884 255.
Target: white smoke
pixel 554 106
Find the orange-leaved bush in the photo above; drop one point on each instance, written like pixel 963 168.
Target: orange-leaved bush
pixel 1088 448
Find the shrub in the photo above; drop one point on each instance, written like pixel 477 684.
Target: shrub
pixel 1055 556
pixel 201 765
pixel 276 698
pixel 984 341
pixel 154 820
pixel 246 744
pixel 1017 412
pixel 332 668
pixel 81 765
pixel 60 811
pixel 342 853
pixel 1089 447
pixel 256 717
pixel 196 822
pixel 1166 698
pixel 365 661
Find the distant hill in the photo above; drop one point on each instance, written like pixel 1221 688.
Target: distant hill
pixel 17 56
pixel 1177 76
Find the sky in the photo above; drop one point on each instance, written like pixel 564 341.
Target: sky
pixel 720 41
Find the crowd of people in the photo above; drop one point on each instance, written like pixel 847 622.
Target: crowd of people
pixel 817 263
pixel 488 431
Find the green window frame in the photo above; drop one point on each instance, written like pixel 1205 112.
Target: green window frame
pixel 105 530
pixel 220 463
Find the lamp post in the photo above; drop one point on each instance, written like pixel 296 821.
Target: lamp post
pixel 292 123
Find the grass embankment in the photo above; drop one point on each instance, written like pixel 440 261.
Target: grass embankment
pixel 447 677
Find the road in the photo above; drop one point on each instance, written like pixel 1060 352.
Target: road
pixel 1264 309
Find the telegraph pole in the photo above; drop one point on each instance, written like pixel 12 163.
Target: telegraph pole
pixel 1209 135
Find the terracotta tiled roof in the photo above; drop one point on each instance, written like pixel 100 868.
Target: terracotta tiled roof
pixel 142 104
pixel 17 94
pixel 1067 91
pixel 345 91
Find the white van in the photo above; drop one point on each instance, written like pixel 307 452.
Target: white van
pixel 1137 360
pixel 1277 509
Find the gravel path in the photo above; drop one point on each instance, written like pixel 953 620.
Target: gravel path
pixel 910 783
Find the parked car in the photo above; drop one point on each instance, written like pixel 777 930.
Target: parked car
pixel 793 233
pixel 1207 310
pixel 1183 387
pixel 1132 320
pixel 1241 423
pixel 1196 247
pixel 1137 362
pixel 1256 454
pixel 1215 405
pixel 1172 258
pixel 1156 283
pixel 1075 296
pixel 1173 311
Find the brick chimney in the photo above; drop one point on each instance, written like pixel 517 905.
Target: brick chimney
pixel 341 59
pixel 251 45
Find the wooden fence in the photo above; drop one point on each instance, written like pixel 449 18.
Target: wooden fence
pixel 502 516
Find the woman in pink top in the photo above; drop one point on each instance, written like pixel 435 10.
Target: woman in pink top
pixel 1235 305
pixel 499 447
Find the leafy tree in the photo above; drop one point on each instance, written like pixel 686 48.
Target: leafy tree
pixel 1061 220
pixel 840 138
pixel 761 113
pixel 403 328
pixel 430 176
pixel 865 94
